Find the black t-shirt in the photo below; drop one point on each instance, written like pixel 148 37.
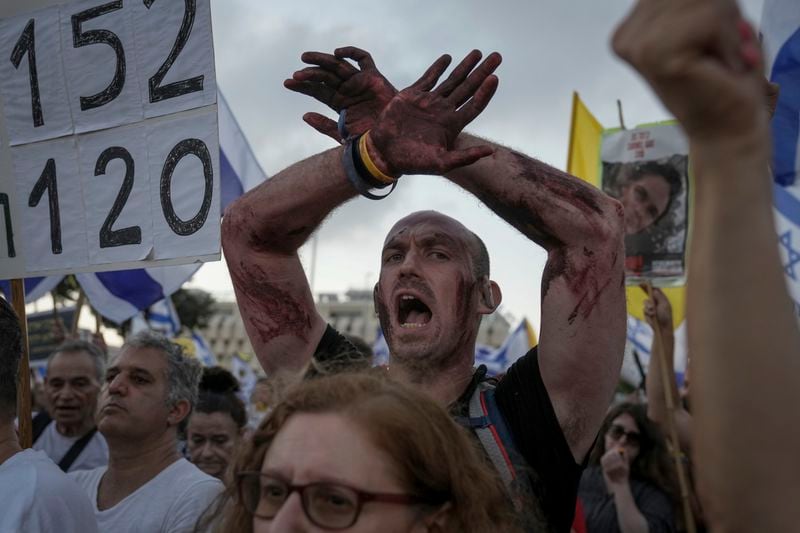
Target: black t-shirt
pixel 523 400
pixel 553 474
pixel 335 353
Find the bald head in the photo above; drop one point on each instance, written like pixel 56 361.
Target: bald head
pixel 447 226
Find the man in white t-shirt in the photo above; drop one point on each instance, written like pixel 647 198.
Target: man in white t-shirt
pixel 35 496
pixel 149 391
pixel 74 373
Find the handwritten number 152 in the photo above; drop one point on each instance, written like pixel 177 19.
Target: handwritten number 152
pixel 26 45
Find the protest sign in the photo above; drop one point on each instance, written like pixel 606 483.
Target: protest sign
pixel 647 169
pixel 109 151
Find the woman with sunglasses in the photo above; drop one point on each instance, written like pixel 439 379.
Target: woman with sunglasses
pixel 629 486
pixel 355 452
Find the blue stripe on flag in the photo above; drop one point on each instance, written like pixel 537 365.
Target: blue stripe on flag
pixel 30 285
pixel 787 204
pixel 786 122
pixel 230 184
pixel 135 286
pixel 35 288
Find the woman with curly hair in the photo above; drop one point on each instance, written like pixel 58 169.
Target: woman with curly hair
pixel 629 486
pixel 356 452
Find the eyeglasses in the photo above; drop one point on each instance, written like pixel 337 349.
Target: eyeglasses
pixel 327 505
pixel 616 432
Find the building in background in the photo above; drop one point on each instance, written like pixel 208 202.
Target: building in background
pixel 352 313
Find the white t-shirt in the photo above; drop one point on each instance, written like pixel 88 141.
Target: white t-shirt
pixel 56 446
pixel 36 496
pixel 170 502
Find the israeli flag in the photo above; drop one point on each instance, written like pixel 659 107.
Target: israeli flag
pixel 203 350
pixel 380 349
pixel 497 361
pixel 241 368
pixel 239 169
pixel 161 316
pixel 640 340
pixel 35 288
pixel 121 295
pixel 517 344
pixel 780 30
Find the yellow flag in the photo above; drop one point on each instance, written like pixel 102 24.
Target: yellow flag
pixel 585 136
pixel 675 295
pixel 532 340
pixel 583 161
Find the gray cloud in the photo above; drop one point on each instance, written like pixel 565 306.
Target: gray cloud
pixel 550 48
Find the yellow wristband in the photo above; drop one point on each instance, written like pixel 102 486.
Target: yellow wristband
pixel 373 170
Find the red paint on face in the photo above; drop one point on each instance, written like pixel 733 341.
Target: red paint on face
pixel 429 256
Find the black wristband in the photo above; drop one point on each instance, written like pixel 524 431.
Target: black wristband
pixel 357 173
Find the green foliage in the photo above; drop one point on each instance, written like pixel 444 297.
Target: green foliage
pixel 67 290
pixel 194 306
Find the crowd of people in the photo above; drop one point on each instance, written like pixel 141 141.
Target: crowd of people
pixel 149 441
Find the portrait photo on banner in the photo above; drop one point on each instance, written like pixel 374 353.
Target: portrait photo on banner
pixel 647 170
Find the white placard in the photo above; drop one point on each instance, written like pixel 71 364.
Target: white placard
pixel 49 199
pixel 647 169
pixel 103 219
pixel 184 170
pixel 176 55
pixel 116 183
pixel 644 143
pixel 100 56
pixel 10 246
pixel 32 81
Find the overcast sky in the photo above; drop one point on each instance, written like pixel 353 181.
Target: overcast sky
pixel 549 48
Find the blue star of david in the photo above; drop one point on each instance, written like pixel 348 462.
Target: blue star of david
pixel 792 255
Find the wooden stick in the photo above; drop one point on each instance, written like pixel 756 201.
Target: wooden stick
pixel 666 375
pixel 621 118
pixel 24 390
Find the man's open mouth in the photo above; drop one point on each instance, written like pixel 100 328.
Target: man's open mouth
pixel 412 312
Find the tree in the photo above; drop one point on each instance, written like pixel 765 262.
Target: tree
pixel 194 307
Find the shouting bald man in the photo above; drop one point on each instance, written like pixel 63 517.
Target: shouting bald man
pixel 434 283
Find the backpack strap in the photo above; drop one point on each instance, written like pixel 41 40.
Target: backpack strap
pixel 489 426
pixel 39 423
pixel 75 450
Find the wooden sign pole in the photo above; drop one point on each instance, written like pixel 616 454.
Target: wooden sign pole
pixel 667 374
pixel 24 389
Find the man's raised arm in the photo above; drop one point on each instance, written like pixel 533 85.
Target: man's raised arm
pixel 261 233
pixel 583 298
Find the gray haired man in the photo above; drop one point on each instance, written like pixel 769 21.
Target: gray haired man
pixel 75 371
pixel 148 394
